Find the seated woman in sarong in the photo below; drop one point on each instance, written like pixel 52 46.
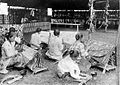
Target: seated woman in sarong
pixel 55 46
pixel 78 45
pixel 36 39
pixel 68 67
pixel 10 56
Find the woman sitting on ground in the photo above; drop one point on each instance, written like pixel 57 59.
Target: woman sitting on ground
pixel 68 67
pixel 83 58
pixel 55 46
pixel 11 56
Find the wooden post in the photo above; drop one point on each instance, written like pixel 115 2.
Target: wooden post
pixel 77 28
pixel 3 19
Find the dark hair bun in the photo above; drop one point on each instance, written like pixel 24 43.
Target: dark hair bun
pixel 78 36
pixel 38 30
pixel 74 53
pixel 12 29
pixel 56 32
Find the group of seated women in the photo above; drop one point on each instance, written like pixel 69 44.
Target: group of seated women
pixel 16 54
pixel 72 59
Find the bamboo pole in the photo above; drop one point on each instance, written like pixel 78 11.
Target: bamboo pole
pixel 91 15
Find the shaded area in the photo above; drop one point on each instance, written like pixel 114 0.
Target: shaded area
pixel 61 4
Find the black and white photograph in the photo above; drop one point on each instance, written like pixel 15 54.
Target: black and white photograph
pixel 59 42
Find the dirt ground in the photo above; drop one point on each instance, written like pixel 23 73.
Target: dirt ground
pixel 49 77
